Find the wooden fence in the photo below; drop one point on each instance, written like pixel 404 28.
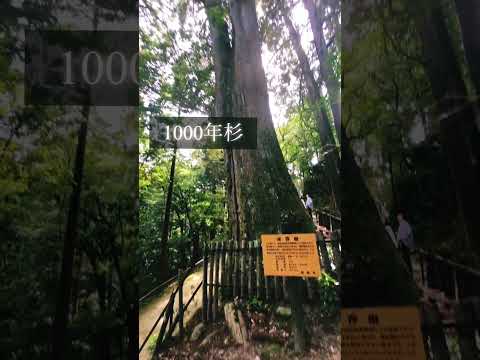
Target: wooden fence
pixel 232 270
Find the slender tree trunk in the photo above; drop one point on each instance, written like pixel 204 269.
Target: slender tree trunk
pixel 60 324
pixel 326 70
pixel 166 220
pixel 314 95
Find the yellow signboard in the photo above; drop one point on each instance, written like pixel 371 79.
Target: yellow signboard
pixel 290 255
pixel 382 333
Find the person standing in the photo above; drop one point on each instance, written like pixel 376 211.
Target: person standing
pixel 309 205
pixel 405 239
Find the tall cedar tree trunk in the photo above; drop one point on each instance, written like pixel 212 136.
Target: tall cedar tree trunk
pixel 469 15
pixel 314 96
pixel 373 274
pixel 60 324
pixel 266 196
pixel 458 132
pixel 166 220
pixel 223 64
pixel 316 14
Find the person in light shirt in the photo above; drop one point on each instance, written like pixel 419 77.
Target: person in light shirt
pixel 405 239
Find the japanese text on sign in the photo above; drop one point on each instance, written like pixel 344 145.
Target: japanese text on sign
pixel 290 255
pixel 382 333
pixel 203 132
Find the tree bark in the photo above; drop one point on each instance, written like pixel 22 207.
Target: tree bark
pixel 266 205
pixel 373 273
pixel 223 65
pixel 272 204
pixel 326 70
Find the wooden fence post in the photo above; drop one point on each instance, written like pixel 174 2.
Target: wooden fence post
pixel 204 285
pixel 278 290
pixel 324 253
pixel 455 285
pixel 210 282
pixel 337 255
pixel 250 269
pixel 284 287
pixel 215 281
pixel 163 328
pixel 223 272
pixel 242 269
pixel 180 302
pixel 465 318
pixel 230 269
pixel 235 269
pixel 435 332
pixel 422 269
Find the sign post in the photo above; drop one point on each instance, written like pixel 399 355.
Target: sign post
pixel 293 256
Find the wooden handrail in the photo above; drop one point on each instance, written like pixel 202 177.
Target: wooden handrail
pixel 168 282
pixel 449 262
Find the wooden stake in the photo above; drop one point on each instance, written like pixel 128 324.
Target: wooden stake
pixel 216 280
pixel 204 285
pixel 210 282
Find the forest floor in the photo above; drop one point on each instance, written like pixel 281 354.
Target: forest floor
pixel 270 338
pixel 150 311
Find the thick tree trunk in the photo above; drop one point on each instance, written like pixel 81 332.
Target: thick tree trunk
pixel 458 132
pixel 223 65
pixel 326 70
pixel 314 95
pixel 60 325
pixel 373 273
pixel 267 198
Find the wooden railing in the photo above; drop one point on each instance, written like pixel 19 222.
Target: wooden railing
pixel 457 281
pixel 328 219
pixel 170 321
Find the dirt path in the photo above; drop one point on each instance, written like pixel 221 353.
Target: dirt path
pixel 150 312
